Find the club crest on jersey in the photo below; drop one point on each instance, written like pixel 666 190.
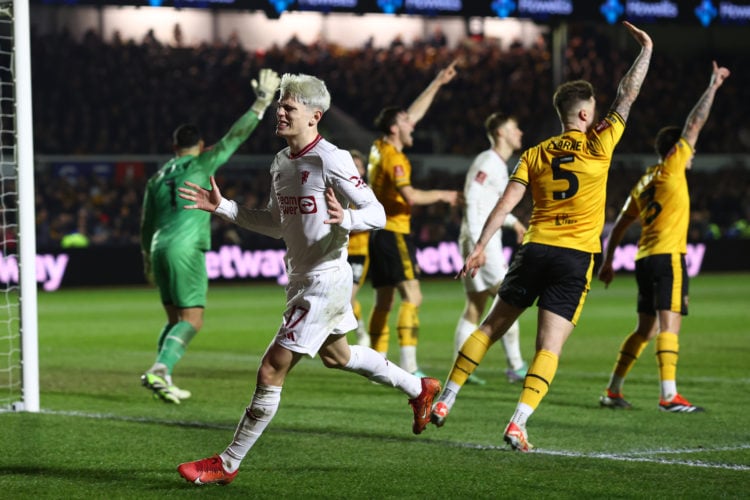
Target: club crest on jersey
pixel 304 176
pixel 480 177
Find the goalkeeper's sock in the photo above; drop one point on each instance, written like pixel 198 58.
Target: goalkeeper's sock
pixel 163 336
pixel 175 344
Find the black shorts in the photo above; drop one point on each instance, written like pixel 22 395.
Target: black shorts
pixel 662 284
pixel 393 258
pixel 559 277
pixel 359 265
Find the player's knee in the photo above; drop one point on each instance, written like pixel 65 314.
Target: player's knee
pixel 332 361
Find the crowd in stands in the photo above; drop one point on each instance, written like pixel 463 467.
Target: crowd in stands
pixel 98 211
pixel 123 97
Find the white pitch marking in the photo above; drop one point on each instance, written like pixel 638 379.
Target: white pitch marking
pixel 634 456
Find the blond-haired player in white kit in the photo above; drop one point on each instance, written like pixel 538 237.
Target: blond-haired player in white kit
pixel 485 182
pixel 313 184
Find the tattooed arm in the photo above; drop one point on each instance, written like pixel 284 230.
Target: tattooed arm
pixel 699 114
pixel 631 83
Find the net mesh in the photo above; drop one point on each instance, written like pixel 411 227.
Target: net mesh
pixel 10 342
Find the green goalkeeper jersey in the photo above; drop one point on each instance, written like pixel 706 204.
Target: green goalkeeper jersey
pixel 164 222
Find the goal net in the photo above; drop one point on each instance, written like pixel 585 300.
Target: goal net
pixel 19 371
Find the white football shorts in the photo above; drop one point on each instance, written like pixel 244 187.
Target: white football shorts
pixel 491 274
pixel 317 305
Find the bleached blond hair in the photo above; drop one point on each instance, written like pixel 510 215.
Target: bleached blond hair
pixel 307 89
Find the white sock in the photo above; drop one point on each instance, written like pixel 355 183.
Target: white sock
pixel 522 414
pixel 464 329
pixel 252 424
pixel 371 364
pixel 615 383
pixel 409 358
pixel 668 389
pixel 159 369
pixel 512 347
pixel 363 338
pixel 448 396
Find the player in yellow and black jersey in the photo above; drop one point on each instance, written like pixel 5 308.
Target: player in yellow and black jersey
pixel 567 176
pixel 661 202
pixel 393 258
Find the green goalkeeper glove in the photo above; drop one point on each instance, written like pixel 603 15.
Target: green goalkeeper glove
pixel 265 88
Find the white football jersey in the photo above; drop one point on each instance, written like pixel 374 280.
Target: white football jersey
pixel 485 183
pixel 297 208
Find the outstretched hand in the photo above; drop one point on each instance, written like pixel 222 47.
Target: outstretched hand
pixel 448 73
pixel 265 89
pixel 266 85
pixel 640 36
pixel 606 273
pixel 473 262
pixel 203 199
pixel 719 75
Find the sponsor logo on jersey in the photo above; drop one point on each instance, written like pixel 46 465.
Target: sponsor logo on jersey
pixel 307 205
pixel 398 171
pixel 357 181
pixel 480 177
pixel 564 220
pixel 293 205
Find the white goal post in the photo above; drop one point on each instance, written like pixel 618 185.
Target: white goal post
pixel 19 358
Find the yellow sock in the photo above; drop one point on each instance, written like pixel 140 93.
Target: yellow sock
pixel 379 331
pixel 357 308
pixel 469 357
pixel 667 353
pixel 630 350
pixel 407 325
pixel 538 379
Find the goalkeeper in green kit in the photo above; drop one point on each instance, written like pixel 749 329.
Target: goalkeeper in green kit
pixel 173 240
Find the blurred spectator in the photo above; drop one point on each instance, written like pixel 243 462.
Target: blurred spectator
pixel 95 98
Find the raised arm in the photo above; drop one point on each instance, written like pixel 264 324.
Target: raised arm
pixel 422 103
pixel 630 85
pixel 265 89
pixel 699 114
pixel 414 196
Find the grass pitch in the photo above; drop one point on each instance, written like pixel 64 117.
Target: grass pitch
pixel 336 435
